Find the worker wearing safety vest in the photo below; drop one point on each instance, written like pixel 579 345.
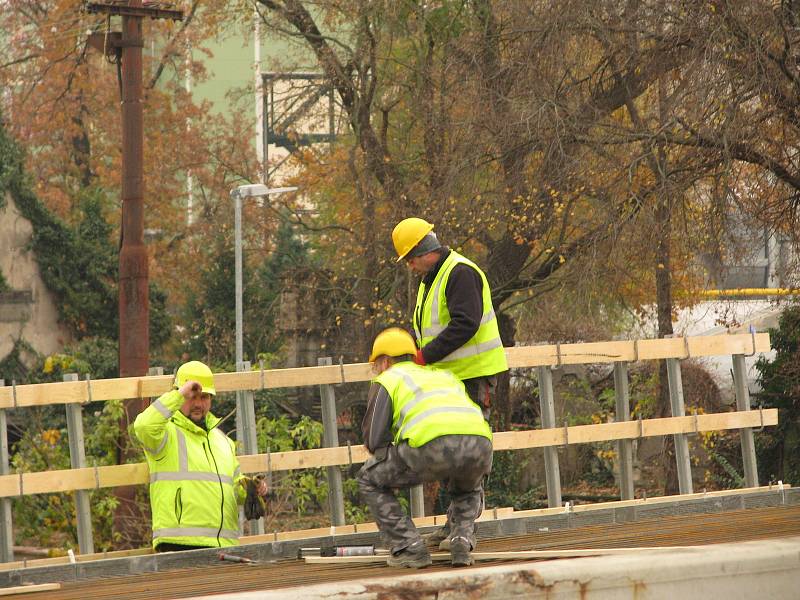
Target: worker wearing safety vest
pixel 454 320
pixel 420 425
pixel 195 481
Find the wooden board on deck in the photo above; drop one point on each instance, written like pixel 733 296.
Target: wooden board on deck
pixel 507 555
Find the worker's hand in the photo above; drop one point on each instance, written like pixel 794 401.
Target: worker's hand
pixel 190 389
pixel 262 489
pixel 419 358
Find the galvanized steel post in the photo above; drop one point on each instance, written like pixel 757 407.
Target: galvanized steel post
pixel 679 410
pixel 623 413
pixel 330 438
pixel 547 410
pixel 248 433
pixel 417 501
pixel 6 524
pixel 746 433
pixel 77 459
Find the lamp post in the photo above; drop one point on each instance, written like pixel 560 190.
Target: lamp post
pixel 245 411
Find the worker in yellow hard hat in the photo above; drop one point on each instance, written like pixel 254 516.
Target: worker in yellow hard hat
pixel 196 484
pixel 454 320
pixel 420 425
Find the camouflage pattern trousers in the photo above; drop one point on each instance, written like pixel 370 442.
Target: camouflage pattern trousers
pixel 462 460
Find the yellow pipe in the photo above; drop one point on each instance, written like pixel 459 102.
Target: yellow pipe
pixel 750 292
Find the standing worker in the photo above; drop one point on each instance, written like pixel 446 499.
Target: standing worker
pixel 454 320
pixel 195 481
pixel 420 425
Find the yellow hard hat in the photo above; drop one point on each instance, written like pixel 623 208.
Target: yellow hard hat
pixel 194 370
pixel 408 233
pixel 393 342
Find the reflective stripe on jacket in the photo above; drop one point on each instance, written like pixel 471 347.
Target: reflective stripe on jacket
pixel 481 355
pixel 194 476
pixel 428 403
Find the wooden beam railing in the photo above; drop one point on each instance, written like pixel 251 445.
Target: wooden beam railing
pixel 68 480
pixel 41 394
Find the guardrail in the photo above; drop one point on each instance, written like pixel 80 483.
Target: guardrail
pixel 81 478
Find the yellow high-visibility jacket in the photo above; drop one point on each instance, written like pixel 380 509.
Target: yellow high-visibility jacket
pixel 194 476
pixel 429 403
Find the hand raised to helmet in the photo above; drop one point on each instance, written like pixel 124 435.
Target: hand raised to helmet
pixel 190 389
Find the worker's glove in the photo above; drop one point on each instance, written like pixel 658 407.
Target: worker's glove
pixel 419 358
pixel 255 506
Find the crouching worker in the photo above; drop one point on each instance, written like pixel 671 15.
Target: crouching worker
pixel 420 425
pixel 195 481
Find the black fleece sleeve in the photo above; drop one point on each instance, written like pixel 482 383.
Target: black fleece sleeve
pixel 464 293
pixel 377 424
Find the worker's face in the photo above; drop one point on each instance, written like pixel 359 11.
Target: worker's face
pixel 380 364
pixel 196 407
pixel 422 264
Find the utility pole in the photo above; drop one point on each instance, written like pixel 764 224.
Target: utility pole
pixel 134 333
pixel 134 303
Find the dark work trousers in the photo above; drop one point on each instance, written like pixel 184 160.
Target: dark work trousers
pixel 481 390
pixel 464 460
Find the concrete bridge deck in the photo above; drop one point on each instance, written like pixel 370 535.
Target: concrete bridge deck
pixel 768 522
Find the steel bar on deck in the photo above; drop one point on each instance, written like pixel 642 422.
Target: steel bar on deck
pixel 679 410
pixel 330 435
pixel 547 410
pixel 77 459
pixel 624 447
pixel 743 403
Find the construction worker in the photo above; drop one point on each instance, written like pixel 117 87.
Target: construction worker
pixel 454 320
pixel 420 425
pixel 195 481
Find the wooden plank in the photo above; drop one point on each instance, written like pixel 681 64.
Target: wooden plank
pixel 28 589
pixel 41 394
pixel 508 555
pixel 543 512
pixel 113 476
pixel 582 434
pixel 488 515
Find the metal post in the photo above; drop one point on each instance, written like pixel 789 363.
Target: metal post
pixel 547 409
pixel 417 501
pixel 77 459
pixel 248 433
pixel 241 433
pixel 237 203
pixel 623 413
pixel 679 410
pixel 6 524
pixel 330 439
pixel 746 433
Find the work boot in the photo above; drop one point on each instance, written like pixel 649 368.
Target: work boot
pixel 460 549
pixel 415 556
pixel 437 537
